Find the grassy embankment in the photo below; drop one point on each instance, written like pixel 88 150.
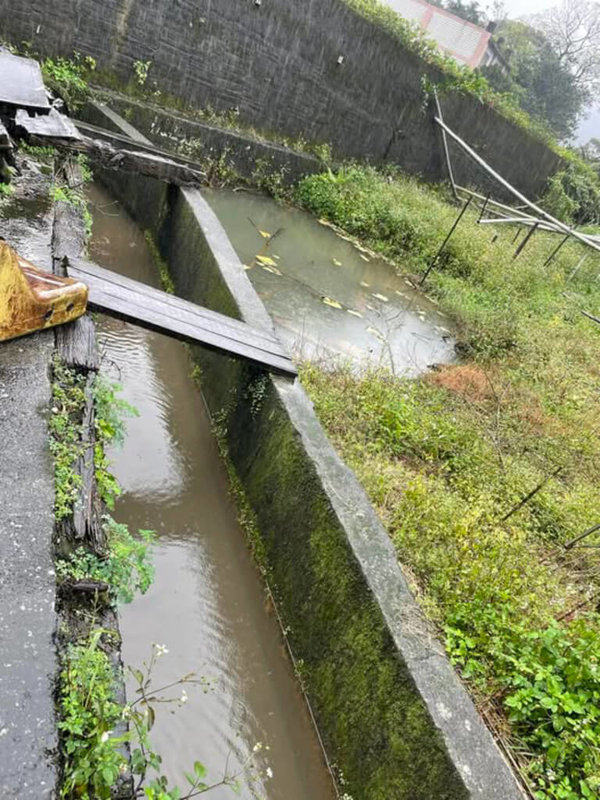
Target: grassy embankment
pixel 446 460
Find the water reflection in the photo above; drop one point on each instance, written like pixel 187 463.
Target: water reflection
pixel 207 604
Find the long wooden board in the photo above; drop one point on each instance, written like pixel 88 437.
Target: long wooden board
pixel 150 308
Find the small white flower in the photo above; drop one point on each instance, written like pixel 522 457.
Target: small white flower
pixel 257 747
pixel 161 650
pixel 269 772
pixel 105 736
pixel 184 697
pixel 54 410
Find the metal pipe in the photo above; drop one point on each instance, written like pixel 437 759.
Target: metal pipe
pixel 445 242
pixel 482 163
pixel 446 150
pixel 521 247
pixel 556 249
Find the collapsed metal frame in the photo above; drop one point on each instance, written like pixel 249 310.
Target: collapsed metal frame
pixel 502 213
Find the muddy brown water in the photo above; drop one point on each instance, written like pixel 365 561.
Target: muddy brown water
pixel 329 300
pixel 207 604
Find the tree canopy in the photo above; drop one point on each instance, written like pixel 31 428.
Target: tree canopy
pixel 540 81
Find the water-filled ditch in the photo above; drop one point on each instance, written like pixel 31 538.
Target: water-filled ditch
pixel 207 604
pixel 330 300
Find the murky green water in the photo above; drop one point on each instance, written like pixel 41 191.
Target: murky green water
pixel 329 300
pixel 207 604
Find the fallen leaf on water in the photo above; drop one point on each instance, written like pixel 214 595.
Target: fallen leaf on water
pixel 265 234
pixel 370 307
pixel 336 262
pixel 401 294
pixel 353 312
pixel 377 334
pixel 380 297
pixel 329 302
pixel 266 260
pixel 276 256
pixel 366 285
pixel 274 270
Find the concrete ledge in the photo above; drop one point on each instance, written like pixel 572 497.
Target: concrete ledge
pixel 168 129
pixel 393 714
pixel 28 661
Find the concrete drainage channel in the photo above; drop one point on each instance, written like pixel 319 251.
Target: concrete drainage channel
pixel 393 715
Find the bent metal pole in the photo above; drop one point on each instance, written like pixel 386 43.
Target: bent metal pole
pixel 482 163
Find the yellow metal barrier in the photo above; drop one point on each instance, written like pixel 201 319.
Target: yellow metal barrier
pixel 31 299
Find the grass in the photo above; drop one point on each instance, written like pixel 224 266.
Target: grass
pixel 447 459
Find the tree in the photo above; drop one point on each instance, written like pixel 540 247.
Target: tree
pixel 471 11
pixel 573 31
pixel 538 80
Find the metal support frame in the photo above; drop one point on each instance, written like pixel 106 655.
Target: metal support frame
pixel 445 242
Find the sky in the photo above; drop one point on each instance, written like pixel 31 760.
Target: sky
pixel 590 124
pixel 521 8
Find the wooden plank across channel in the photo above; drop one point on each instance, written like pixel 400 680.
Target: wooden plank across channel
pixel 150 308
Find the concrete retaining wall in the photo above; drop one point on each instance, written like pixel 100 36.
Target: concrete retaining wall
pixel 251 159
pixel 393 714
pixel 277 62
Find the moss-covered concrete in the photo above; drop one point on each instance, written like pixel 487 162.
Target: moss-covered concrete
pixel 393 715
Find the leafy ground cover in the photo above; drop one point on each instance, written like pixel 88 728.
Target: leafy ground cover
pixel 484 472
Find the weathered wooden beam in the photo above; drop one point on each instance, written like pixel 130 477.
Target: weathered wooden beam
pixel 151 308
pixel 139 161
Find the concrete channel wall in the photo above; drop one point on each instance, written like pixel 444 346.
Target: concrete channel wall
pixel 393 714
pixel 315 69
pixel 249 158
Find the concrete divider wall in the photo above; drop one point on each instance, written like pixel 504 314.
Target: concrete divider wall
pixel 249 158
pixel 393 714
pixel 277 62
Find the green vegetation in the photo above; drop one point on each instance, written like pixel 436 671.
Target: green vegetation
pixel 141 69
pixel 66 446
pixel 68 78
pixel 126 568
pixel 88 715
pixel 74 197
pixel 539 82
pixel 448 458
pixel 162 266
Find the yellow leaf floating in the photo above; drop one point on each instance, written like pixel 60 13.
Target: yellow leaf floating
pixel 353 312
pixel 377 334
pixel 381 297
pixel 266 260
pixel 336 262
pixel 265 234
pixel 329 302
